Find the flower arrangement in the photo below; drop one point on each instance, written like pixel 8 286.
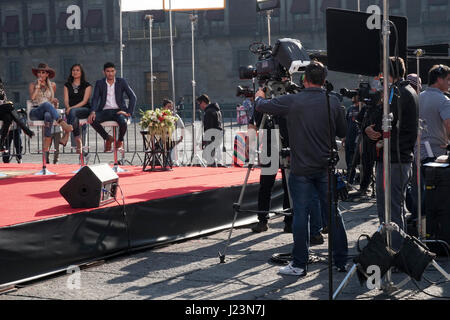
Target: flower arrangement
pixel 159 123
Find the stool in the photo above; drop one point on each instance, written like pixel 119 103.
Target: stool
pixel 114 125
pixel 40 123
pixel 82 164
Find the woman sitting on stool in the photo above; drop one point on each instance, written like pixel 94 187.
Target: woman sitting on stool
pixel 77 92
pixel 42 94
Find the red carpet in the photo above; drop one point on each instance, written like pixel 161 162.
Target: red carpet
pixel 27 198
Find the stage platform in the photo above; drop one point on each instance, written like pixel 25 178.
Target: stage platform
pixel 41 234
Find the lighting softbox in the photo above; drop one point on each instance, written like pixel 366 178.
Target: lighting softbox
pixel 353 48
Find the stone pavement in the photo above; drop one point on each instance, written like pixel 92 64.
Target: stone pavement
pixel 190 270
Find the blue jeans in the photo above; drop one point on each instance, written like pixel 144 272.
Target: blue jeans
pixel 316 222
pixel 74 119
pixel 302 190
pixel 47 112
pixel 109 115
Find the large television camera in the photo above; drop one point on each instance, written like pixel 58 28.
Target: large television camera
pixel 364 93
pixel 245 92
pixel 275 67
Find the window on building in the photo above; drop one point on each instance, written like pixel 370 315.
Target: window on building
pixel 242 17
pixel 160 86
pixel 14 71
pixel 38 28
pixel 215 20
pixel 301 12
pixel 65 35
pixel 330 4
pixel 300 7
pixel 437 11
pixel 243 58
pixel 414 11
pixel 12 30
pixel 66 64
pixel 94 24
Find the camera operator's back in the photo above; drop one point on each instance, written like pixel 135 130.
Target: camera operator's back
pixel 309 127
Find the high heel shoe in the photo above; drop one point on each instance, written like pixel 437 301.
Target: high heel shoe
pixel 66 127
pixel 64 139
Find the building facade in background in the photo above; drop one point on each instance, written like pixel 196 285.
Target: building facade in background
pixel 35 31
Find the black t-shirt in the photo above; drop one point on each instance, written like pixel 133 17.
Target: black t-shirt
pixel 76 95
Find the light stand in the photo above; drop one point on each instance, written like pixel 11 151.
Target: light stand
pixel 195 155
pixel 152 79
pixel 122 46
pixel 387 227
pixel 387 126
pixel 421 231
pixel 171 51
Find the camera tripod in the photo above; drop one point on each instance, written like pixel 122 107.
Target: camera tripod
pixel 237 206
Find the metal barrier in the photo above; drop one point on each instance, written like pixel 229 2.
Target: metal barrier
pixel 134 146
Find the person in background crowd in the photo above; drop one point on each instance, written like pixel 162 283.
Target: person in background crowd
pixel 405 109
pixel 212 120
pixel 435 115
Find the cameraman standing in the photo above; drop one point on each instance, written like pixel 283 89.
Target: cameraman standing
pixel 308 126
pixel 404 104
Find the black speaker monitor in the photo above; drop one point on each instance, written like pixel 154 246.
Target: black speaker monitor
pixel 91 187
pixel 353 48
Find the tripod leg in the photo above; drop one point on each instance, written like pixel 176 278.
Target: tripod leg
pixel 236 209
pixel 442 271
pixel 345 282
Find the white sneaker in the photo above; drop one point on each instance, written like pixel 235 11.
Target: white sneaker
pixel 292 271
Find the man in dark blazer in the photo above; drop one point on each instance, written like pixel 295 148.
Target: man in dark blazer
pixel 108 104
